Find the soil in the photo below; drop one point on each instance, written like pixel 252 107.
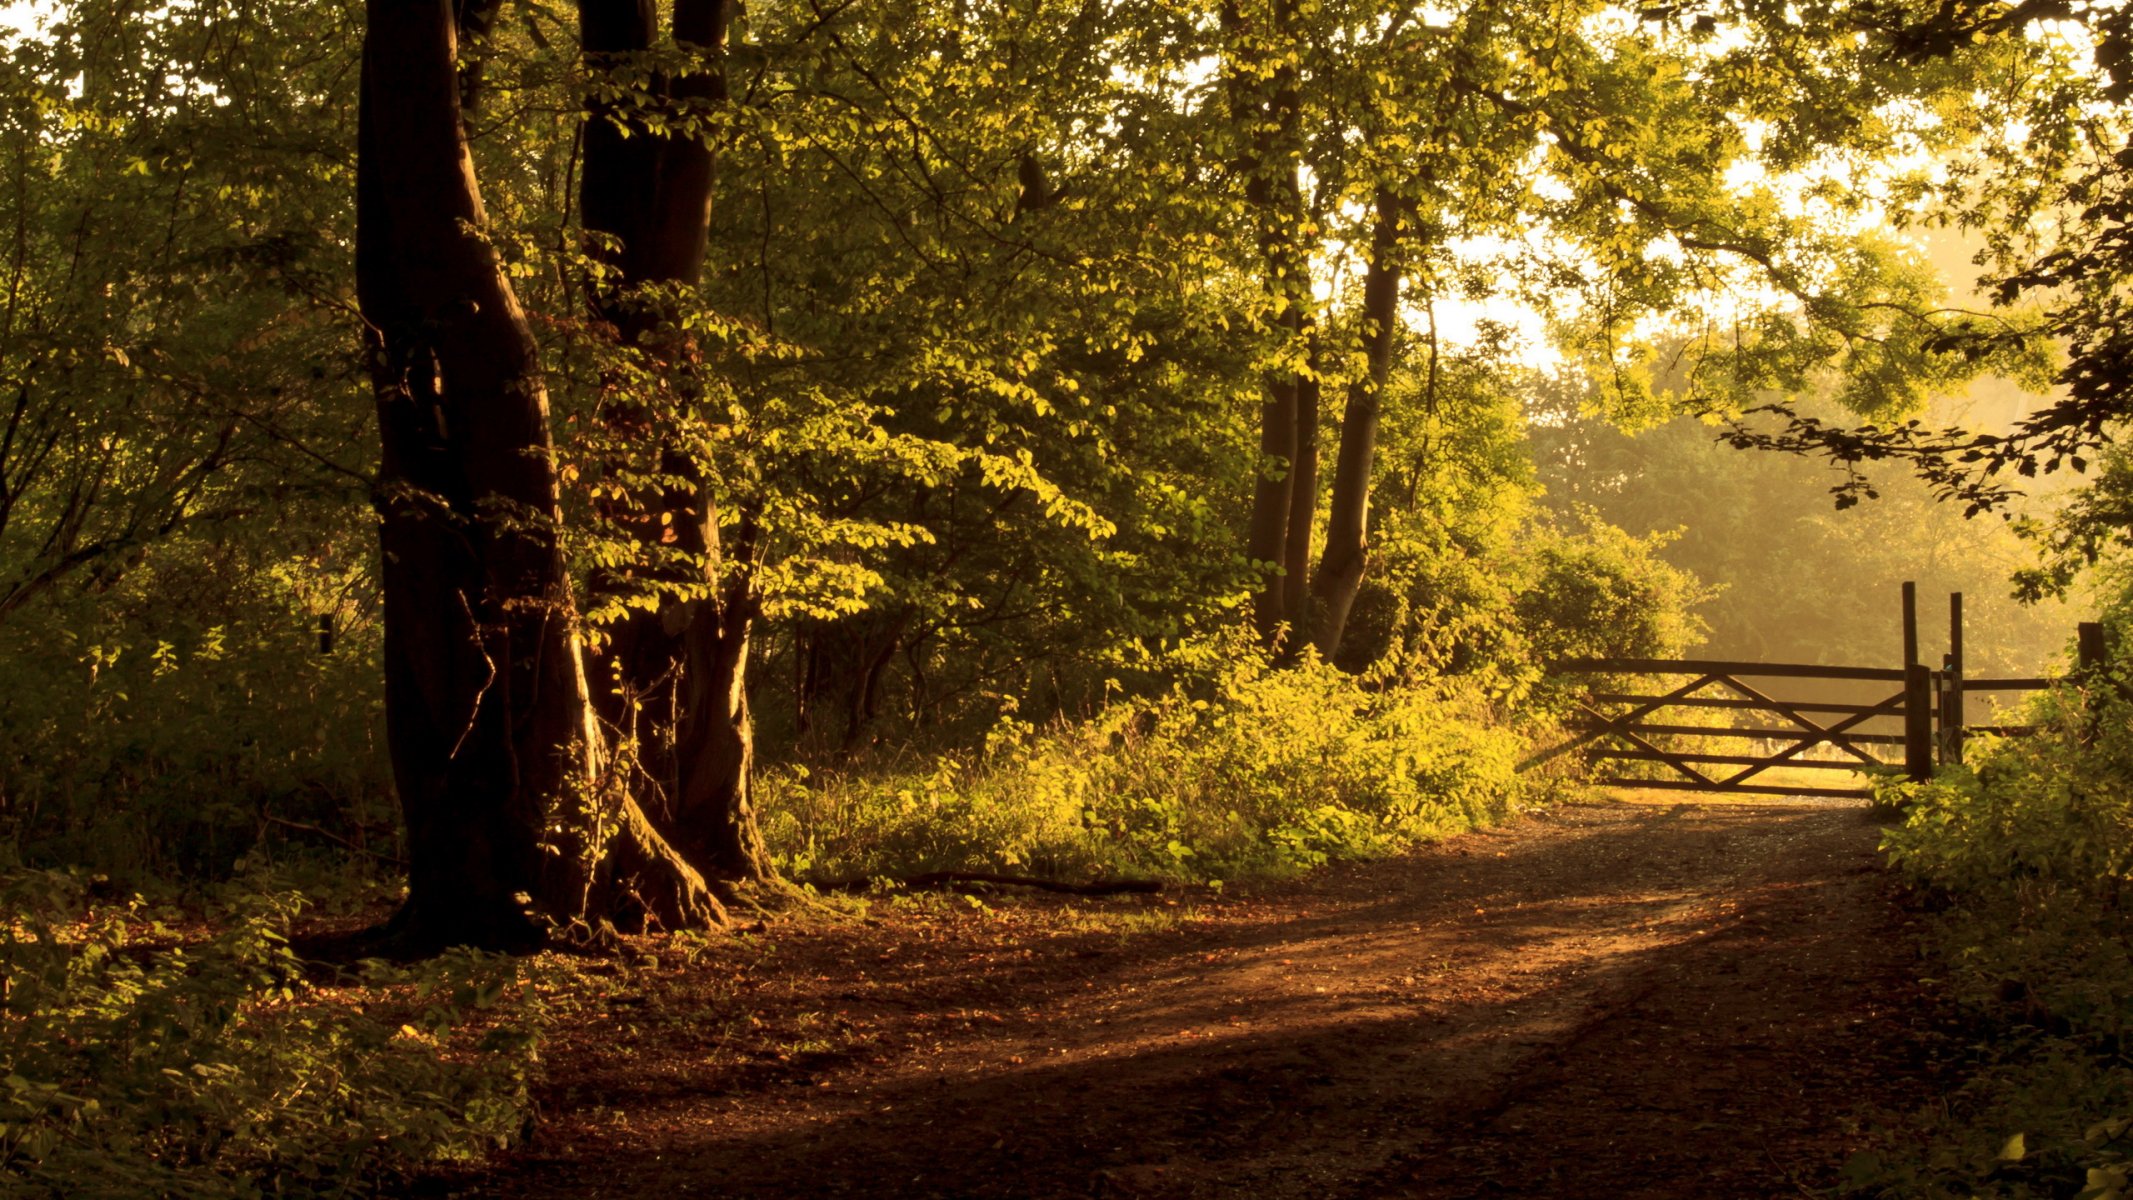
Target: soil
pixel 1638 998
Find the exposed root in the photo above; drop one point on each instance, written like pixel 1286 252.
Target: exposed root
pixel 644 882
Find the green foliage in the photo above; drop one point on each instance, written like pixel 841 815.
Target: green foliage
pixel 1499 612
pixel 2051 1092
pixel 1471 576
pixel 181 438
pixel 2030 856
pixel 2043 823
pixel 1801 580
pixel 134 1065
pixel 170 722
pixel 174 354
pixel 1242 770
pixel 1602 592
pixel 2089 537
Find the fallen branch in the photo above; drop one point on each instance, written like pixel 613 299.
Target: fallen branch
pixel 928 880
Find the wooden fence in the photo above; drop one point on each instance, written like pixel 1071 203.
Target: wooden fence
pixel 1625 718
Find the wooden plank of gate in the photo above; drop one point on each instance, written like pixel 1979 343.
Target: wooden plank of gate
pixel 1650 705
pixel 1699 666
pixel 1655 703
pixel 1755 789
pixel 1668 757
pixel 1839 736
pixel 1831 734
pixel 1735 731
pixel 1812 764
pixel 1737 702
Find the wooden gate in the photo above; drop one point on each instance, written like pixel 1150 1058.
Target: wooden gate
pixel 1912 720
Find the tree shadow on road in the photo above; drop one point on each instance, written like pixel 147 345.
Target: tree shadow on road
pixel 1696 1002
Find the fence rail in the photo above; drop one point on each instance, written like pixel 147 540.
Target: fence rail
pixel 1698 666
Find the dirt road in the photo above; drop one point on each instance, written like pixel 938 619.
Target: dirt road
pixel 1635 999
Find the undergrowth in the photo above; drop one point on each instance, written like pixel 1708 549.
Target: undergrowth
pixel 2028 857
pixel 134 1065
pixel 1245 770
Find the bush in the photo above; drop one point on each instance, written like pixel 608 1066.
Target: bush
pixel 1497 613
pixel 2028 857
pixel 164 723
pixel 1600 592
pixel 217 1071
pixel 1245 770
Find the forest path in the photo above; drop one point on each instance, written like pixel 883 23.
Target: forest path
pixel 1643 998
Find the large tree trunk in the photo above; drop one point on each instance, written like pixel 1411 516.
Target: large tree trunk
pixel 649 189
pixel 486 701
pixel 1285 509
pixel 1340 571
pixel 675 677
pixel 714 746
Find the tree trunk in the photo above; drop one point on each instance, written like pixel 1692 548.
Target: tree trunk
pixel 677 677
pixel 1340 571
pixel 1303 500
pixel 649 190
pixel 487 711
pixel 714 748
pixel 1282 509
pixel 1268 540
pixel 842 663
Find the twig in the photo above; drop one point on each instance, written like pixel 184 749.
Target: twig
pixel 329 835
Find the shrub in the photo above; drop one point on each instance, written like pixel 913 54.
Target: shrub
pixel 1600 592
pixel 2028 857
pixel 1497 613
pixel 216 1071
pixel 1243 770
pixel 164 723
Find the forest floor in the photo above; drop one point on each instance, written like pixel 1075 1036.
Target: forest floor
pixel 1633 998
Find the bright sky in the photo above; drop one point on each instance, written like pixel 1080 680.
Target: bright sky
pixel 15 16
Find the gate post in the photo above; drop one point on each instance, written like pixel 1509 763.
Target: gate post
pixel 1951 694
pixel 1910 625
pixel 2089 647
pixel 1918 722
pixel 1917 696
